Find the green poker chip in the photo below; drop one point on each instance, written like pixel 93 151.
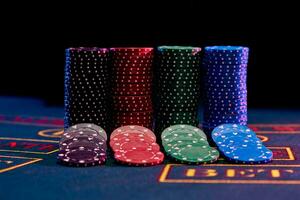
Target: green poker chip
pixel 177 96
pixel 184 128
pixel 177 102
pixel 177 114
pixel 176 109
pixel 194 153
pixel 178 50
pixel 179 121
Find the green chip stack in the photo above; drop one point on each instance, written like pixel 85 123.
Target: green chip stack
pixel 188 144
pixel 177 86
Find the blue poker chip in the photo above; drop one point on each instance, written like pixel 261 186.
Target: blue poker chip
pixel 225 55
pixel 237 129
pixel 247 153
pixel 239 144
pixel 227 49
pixel 224 62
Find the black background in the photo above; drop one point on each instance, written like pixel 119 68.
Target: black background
pixel 34 38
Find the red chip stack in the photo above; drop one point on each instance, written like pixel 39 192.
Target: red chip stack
pixel 135 145
pixel 132 86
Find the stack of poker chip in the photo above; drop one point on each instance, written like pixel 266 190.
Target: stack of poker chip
pixel 83 145
pixel 225 90
pixel 135 145
pixel 87 91
pixel 188 144
pixel 177 86
pixel 240 144
pixel 132 86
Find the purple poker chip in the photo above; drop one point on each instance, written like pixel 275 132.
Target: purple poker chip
pixel 81 157
pixel 84 142
pixel 89 135
pixel 85 126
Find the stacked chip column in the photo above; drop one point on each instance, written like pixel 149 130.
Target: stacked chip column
pixel 132 74
pixel 177 86
pixel 87 90
pixel 225 86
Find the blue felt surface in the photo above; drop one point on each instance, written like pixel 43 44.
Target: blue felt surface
pixel 47 180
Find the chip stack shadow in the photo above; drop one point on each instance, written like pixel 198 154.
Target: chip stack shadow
pixel 177 86
pixel 225 86
pixel 87 90
pixel 132 74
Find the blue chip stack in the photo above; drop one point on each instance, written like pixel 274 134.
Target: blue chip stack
pixel 225 87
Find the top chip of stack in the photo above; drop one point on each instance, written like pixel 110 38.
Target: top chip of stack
pixel 225 87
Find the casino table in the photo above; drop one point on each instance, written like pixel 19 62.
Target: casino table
pixel 29 135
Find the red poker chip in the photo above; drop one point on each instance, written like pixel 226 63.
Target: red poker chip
pixel 132 98
pixel 131 49
pixel 140 158
pixel 133 73
pixel 138 93
pixel 147 124
pixel 136 129
pixel 131 89
pixel 130 102
pixel 134 114
pixel 142 78
pixel 119 69
pixel 133 85
pixel 137 65
pixel 136 105
pixel 133 142
pixel 133 109
pixel 141 118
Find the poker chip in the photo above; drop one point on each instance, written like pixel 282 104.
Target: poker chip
pixel 140 158
pixel 135 145
pixel 83 126
pixel 83 145
pixel 225 86
pixel 87 91
pixel 81 157
pixel 177 86
pixel 240 144
pixel 188 144
pixel 134 129
pixel 132 77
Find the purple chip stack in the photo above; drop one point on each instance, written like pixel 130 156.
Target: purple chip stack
pixel 83 145
pixel 225 86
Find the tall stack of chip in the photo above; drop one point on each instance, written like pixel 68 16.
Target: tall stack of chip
pixel 87 90
pixel 83 145
pixel 177 86
pixel 132 86
pixel 225 87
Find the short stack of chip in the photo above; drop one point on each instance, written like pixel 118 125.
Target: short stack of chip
pixel 188 144
pixel 225 87
pixel 177 86
pixel 87 92
pixel 83 145
pixel 135 145
pixel 132 86
pixel 240 144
